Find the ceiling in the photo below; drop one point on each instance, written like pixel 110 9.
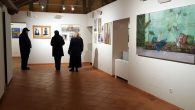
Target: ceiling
pixel 80 6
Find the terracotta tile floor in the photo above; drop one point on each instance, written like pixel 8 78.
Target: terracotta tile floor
pixel 42 88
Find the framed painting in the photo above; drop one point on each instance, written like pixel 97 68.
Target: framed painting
pixel 37 32
pixel 15 32
pixel 99 25
pixel 95 25
pixel 41 32
pixel 71 35
pixel 46 32
pixel 167 35
pixel 16 29
pixel 107 33
pixel 65 37
pixel 67 28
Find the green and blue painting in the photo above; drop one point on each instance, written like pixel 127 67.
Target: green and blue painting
pixel 168 34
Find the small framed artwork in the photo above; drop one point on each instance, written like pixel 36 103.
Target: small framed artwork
pixel 37 32
pixel 68 28
pixel 71 35
pixel 41 32
pixel 15 32
pixel 16 29
pixel 46 32
pixel 95 25
pixel 107 33
pixel 65 37
pixel 99 25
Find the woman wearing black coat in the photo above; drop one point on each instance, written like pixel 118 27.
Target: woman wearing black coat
pixel 57 51
pixel 75 50
pixel 25 45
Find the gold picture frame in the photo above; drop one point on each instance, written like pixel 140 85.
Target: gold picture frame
pixel 41 32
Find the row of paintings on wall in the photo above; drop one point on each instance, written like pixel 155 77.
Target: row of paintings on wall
pixel 102 34
pixel 44 32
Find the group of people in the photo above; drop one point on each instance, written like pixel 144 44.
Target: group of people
pixel 75 50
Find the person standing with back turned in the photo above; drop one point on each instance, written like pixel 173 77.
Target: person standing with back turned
pixel 75 50
pixel 57 51
pixel 25 45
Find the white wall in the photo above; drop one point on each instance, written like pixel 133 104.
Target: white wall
pixel 41 51
pixel 2 66
pixel 8 47
pixel 151 75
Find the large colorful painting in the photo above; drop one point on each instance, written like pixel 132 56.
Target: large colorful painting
pixel 168 34
pixel 41 32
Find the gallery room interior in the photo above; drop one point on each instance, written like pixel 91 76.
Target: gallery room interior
pixel 138 55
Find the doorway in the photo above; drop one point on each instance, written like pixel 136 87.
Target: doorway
pixel 120 40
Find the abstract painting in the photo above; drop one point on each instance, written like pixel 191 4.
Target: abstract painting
pixel 167 34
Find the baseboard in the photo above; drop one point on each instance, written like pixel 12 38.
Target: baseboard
pixel 150 96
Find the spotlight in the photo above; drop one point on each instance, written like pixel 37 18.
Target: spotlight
pixel 63 8
pixel 72 8
pixel 42 7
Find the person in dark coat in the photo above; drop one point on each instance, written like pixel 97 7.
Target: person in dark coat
pixel 25 45
pixel 75 50
pixel 57 51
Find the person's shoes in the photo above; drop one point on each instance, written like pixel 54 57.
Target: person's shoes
pixel 71 70
pixel 27 68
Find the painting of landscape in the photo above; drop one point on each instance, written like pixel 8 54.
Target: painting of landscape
pixel 168 34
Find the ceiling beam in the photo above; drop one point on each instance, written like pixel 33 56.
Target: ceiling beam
pixel 11 7
pixel 46 8
pixel 21 3
pixel 31 7
pixel 89 4
pixel 61 9
pixel 102 2
pixel 84 7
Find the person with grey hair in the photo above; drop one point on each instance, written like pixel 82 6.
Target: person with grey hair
pixel 75 50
